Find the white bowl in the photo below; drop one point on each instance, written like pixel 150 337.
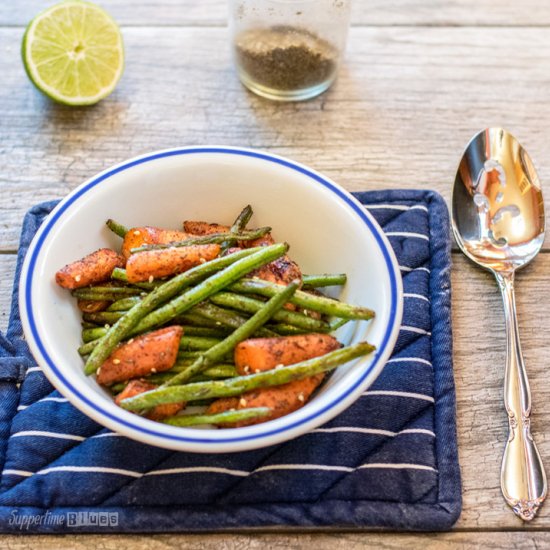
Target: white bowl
pixel 328 231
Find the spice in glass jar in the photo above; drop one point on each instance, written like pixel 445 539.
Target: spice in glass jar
pixel 286 58
pixel 288 50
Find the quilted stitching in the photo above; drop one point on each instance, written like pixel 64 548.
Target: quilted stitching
pixel 350 452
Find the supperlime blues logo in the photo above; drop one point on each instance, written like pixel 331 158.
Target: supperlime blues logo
pixel 26 522
pixel 92 519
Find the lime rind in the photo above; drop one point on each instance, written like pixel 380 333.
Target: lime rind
pixel 53 62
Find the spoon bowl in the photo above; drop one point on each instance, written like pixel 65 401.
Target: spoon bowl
pixel 499 223
pixel 498 209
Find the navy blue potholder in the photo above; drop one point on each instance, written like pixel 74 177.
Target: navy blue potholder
pixel 389 461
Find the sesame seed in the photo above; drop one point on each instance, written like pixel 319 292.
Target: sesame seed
pixel 98 370
pixel 246 369
pixel 242 402
pixel 258 370
pixel 279 366
pixel 77 278
pixel 305 311
pixel 218 323
pixel 107 326
pixel 136 232
pixel 301 397
pixel 130 340
pixel 202 261
pixel 153 370
pixel 151 278
pixel 231 410
pixel 116 361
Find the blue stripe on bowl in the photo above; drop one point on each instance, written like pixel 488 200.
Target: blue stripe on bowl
pixel 64 205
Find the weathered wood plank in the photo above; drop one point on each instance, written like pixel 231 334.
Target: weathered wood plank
pixel 407 102
pixel 7 273
pixel 365 12
pixel 479 358
pixel 333 541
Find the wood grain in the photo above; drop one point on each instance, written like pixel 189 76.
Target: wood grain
pixel 421 77
pixel 356 541
pixel 365 12
pixel 479 359
pixel 7 273
pixel 407 102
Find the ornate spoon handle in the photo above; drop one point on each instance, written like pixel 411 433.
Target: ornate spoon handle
pixel 522 477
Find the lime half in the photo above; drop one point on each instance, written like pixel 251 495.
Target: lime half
pixel 73 53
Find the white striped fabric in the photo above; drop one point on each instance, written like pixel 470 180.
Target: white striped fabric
pixel 51 399
pixel 33 369
pixel 373 431
pixel 409 360
pixel 54 435
pixel 402 207
pixel 409 269
pixel 198 469
pixel 408 235
pixel 415 329
pixel 389 393
pixel 416 296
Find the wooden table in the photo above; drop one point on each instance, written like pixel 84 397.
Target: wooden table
pixel 421 77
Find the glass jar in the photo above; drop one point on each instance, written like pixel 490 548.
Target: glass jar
pixel 288 50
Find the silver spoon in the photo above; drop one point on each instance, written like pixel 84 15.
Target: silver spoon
pixel 498 222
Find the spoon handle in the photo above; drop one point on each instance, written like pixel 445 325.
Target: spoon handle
pixel 522 477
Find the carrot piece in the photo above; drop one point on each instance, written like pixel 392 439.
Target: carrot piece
pixel 135 387
pixel 223 404
pixel 282 400
pixel 93 268
pixel 204 228
pixel 153 352
pixel 261 354
pixel 161 263
pixel 92 306
pixel 266 240
pixel 139 236
pixel 231 250
pixel 282 271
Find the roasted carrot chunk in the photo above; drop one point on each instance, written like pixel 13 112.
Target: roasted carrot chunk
pixel 92 306
pixel 266 240
pixel 170 261
pixel 204 228
pixel 135 387
pixel 282 271
pixel 139 236
pixel 92 269
pixel 282 400
pixel 223 404
pixel 260 354
pixel 153 352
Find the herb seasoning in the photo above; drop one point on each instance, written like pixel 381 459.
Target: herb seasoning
pixel 285 58
pixel 288 50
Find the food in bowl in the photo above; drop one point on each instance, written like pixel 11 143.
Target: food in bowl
pixel 328 228
pixel 212 315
